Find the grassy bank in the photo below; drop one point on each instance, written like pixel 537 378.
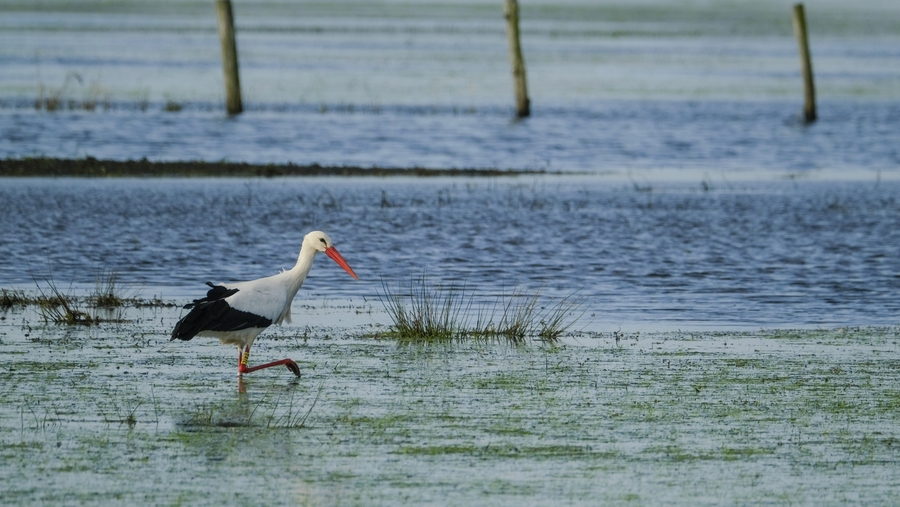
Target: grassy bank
pixel 94 168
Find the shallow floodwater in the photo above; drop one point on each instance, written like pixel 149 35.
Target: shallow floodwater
pixel 644 254
pixel 707 227
pixel 117 414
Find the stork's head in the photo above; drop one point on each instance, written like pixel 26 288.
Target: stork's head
pixel 320 242
pixel 317 240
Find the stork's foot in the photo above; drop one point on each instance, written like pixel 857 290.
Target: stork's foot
pixel 291 365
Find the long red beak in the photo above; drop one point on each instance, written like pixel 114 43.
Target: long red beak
pixel 336 257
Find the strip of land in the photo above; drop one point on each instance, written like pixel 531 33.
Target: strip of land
pixel 95 168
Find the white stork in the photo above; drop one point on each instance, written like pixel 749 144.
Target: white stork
pixel 236 313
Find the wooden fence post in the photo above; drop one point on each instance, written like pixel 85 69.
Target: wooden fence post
pixel 809 106
pixel 511 12
pixel 233 102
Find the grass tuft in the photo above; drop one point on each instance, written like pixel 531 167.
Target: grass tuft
pixel 172 106
pixel 559 318
pixel 60 308
pixel 440 312
pixel 517 322
pixel 426 312
pixel 104 296
pixel 106 293
pixel 11 298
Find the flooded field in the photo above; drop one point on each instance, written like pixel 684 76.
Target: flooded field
pixel 117 414
pixel 738 269
pixel 646 253
pixel 615 86
pixel 686 380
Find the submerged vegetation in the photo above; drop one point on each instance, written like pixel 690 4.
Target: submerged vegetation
pixel 280 411
pixel 594 420
pixel 439 312
pixel 58 307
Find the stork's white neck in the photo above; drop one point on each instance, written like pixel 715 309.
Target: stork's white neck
pixel 301 269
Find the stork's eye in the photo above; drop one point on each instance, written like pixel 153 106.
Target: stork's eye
pixel 323 241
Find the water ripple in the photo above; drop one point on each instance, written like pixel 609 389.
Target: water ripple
pixel 758 254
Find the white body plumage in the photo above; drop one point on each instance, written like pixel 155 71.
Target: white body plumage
pixel 236 313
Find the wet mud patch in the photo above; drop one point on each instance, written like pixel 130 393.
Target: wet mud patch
pixel 117 413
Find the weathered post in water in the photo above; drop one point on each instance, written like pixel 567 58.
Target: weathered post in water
pixel 511 11
pixel 233 102
pixel 809 107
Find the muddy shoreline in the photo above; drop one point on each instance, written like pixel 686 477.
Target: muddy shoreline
pixel 90 167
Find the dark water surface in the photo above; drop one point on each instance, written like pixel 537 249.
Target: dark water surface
pixel 647 254
pixel 851 138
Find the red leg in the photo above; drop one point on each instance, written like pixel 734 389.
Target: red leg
pixel 245 357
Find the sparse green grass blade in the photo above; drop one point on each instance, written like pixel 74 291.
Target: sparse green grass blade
pixel 436 312
pixel 557 319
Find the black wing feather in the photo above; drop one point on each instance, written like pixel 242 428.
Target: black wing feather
pixel 214 294
pixel 213 313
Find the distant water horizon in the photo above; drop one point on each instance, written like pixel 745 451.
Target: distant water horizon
pixel 617 87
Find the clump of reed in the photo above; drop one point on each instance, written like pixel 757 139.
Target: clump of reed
pixel 106 293
pixel 11 298
pixel 60 308
pixel 441 312
pixel 59 99
pixel 173 106
pixel 522 317
pixel 427 312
